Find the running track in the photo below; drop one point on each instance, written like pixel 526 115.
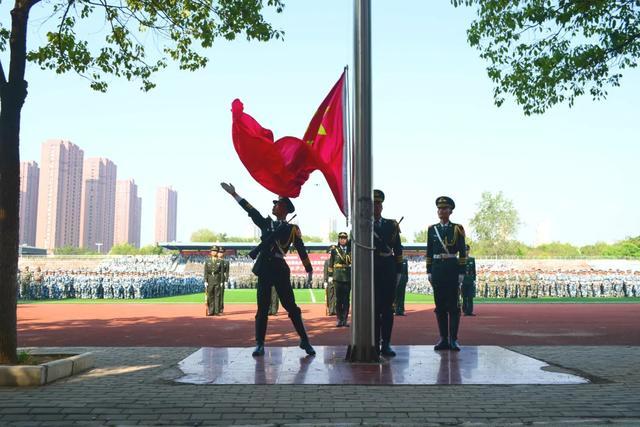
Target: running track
pixel 175 325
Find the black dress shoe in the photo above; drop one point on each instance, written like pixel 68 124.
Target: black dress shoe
pixel 258 351
pixel 387 351
pixel 443 344
pixel 306 346
pixel 454 345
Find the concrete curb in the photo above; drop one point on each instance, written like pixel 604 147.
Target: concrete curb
pixel 29 375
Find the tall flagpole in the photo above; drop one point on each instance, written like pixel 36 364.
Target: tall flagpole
pixel 362 347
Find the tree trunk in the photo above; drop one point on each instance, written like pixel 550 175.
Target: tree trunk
pixel 12 95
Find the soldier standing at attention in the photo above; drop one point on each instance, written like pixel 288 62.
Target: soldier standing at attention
pixel 272 269
pixel 224 279
pixel 330 291
pixel 387 267
pixel 445 271
pixel 339 270
pixel 212 276
pixel 469 284
pixel 25 282
pixel 402 288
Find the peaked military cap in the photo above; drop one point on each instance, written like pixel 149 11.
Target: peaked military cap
pixel 445 202
pixel 378 196
pixel 220 249
pixel 343 234
pixel 214 248
pixel 287 202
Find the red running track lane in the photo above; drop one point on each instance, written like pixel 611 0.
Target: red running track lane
pixel 175 325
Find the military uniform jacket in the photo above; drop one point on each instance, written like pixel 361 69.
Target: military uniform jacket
pixel 469 271
pixel 340 263
pixel 214 271
pixel 387 243
pixel 287 235
pixel 453 238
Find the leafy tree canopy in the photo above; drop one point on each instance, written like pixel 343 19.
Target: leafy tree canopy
pixel 545 52
pixel 140 37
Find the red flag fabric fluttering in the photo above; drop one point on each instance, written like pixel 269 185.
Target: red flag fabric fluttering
pixel 326 137
pixel 283 166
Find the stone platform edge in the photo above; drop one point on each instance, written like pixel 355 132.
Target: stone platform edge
pixel 45 373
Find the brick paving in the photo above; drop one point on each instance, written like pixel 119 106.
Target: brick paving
pixel 133 386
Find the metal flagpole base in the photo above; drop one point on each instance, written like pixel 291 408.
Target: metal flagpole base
pixel 362 354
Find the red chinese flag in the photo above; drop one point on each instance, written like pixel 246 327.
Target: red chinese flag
pixel 326 137
pixel 284 166
pixel 281 166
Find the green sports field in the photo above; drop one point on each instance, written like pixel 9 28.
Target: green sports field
pixel 311 296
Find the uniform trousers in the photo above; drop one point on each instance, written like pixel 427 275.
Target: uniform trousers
pixel 275 272
pixel 343 292
pixel 384 279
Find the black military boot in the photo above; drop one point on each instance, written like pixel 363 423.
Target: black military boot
pixel 386 350
pixel 454 324
pixel 259 350
pixel 443 328
pixel 306 346
pixel 296 319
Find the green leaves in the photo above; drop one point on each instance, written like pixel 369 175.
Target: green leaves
pixel 495 223
pixel 545 52
pixel 180 30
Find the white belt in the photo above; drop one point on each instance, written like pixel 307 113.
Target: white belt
pixel 444 256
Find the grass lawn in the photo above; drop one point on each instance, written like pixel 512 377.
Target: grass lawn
pixel 304 296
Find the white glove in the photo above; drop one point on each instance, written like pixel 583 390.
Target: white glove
pixel 330 279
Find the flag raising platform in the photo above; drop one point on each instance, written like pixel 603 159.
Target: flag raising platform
pixel 413 365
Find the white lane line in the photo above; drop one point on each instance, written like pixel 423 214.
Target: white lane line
pixel 313 297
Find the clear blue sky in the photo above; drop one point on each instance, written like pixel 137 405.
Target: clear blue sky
pixel 435 128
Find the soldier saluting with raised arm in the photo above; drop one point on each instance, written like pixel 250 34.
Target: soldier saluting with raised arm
pixel 271 267
pixel 446 259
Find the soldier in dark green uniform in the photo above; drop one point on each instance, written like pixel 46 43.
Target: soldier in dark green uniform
pixel 340 276
pixel 213 274
pixel 401 289
pixel 274 304
pixel 224 278
pixel 469 284
pixel 446 259
pixel 387 268
pixel 272 269
pixel 25 282
pixel 330 292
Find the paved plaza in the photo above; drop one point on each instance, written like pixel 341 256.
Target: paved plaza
pixel 136 386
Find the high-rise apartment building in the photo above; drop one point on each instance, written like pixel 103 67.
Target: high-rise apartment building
pixel 128 210
pixel 59 195
pixel 29 181
pixel 166 214
pixel 97 211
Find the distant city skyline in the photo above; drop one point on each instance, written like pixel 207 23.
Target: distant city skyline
pixel 166 214
pixel 71 201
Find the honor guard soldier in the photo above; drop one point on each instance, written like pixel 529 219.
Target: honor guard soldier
pixel 387 267
pixel 329 291
pixel 225 276
pixel 272 269
pixel 446 260
pixel 213 274
pixel 339 270
pixel 469 284
pixel 402 289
